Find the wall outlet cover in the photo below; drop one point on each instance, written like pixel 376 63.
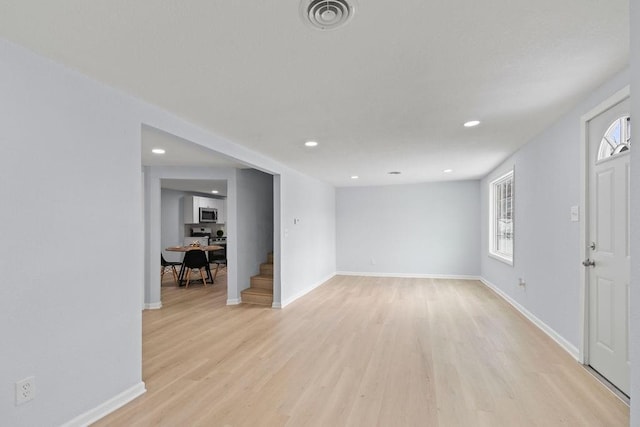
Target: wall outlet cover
pixel 575 213
pixel 25 390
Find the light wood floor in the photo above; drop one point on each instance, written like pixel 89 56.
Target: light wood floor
pixel 359 352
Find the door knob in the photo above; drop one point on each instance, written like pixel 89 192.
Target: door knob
pixel 593 246
pixel 589 263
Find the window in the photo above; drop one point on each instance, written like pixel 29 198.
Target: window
pixel 617 139
pixel 501 218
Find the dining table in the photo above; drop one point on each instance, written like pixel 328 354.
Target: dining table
pixel 188 248
pixel 193 247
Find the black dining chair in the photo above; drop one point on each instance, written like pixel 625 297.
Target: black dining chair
pixel 196 259
pixel 164 265
pixel 219 258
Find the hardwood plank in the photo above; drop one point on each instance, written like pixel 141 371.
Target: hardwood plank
pixel 359 351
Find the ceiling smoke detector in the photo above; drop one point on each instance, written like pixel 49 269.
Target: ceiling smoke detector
pixel 326 14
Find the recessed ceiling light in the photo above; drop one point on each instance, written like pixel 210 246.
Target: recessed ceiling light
pixel 447 170
pixel 311 144
pixel 214 191
pixel 472 123
pixel 158 151
pixel 394 173
pixel 354 177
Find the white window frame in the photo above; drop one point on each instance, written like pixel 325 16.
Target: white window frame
pixel 494 252
pixel 625 137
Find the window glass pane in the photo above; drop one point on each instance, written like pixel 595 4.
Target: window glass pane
pixel 617 138
pixel 501 240
pixel 614 133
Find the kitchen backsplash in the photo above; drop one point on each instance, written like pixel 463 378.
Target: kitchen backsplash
pixel 214 228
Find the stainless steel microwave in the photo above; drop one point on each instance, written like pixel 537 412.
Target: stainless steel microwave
pixel 208 215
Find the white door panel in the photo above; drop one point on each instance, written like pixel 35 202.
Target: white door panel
pixel 604 314
pixel 627 211
pixel 608 229
pixel 604 202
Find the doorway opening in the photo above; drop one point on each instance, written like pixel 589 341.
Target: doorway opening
pixel 188 163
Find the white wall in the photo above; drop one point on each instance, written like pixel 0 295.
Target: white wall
pixel 429 229
pixel 171 221
pixel 255 222
pixel 635 216
pixel 307 247
pixel 71 290
pixel 547 243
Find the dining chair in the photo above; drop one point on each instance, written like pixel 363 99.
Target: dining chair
pixel 164 265
pixel 196 259
pixel 219 258
pixel 219 263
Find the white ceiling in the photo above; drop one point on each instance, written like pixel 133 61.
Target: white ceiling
pixel 389 91
pixel 180 152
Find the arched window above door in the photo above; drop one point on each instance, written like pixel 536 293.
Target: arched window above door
pixel 617 139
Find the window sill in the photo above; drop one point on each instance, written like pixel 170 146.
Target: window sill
pixel 508 261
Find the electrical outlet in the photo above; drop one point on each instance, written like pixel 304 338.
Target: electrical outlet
pixel 373 261
pixel 25 390
pixel 521 282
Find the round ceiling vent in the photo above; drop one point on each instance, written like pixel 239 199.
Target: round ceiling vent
pixel 326 14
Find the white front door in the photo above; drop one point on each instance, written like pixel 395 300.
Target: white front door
pixel 608 264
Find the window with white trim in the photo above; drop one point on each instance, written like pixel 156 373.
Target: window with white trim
pixel 501 218
pixel 617 139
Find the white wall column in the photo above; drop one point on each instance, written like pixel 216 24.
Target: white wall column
pixel 277 241
pixel 152 245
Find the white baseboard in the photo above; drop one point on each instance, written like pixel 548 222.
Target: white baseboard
pixel 566 345
pixel 107 407
pixel 409 275
pixel 234 301
pixel 289 300
pixel 152 305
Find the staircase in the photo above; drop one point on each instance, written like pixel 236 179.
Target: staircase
pixel 261 290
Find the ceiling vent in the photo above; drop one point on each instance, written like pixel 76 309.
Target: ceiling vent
pixel 326 14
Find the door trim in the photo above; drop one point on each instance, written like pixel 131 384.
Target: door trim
pixel 614 99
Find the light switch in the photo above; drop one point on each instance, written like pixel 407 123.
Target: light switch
pixel 575 213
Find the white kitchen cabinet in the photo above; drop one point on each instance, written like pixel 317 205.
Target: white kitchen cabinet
pixel 191 209
pixel 206 202
pixel 192 205
pixel 221 205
